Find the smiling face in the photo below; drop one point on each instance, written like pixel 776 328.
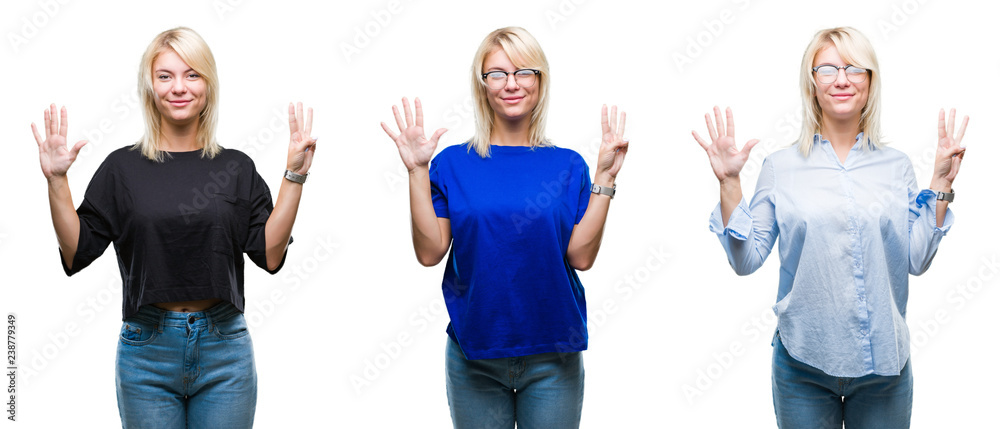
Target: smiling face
pixel 842 99
pixel 179 90
pixel 511 102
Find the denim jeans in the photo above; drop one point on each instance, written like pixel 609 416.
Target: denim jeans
pixel 186 370
pixel 805 397
pixel 536 391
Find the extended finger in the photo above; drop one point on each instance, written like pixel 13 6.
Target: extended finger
pixel 730 123
pixel 749 146
pixel 951 123
pixel 299 118
pixel 76 149
pixel 698 139
pixel 408 114
pixel 961 131
pixel 399 119
pixel 711 130
pixel 621 127
pixel 309 122
pixel 53 122
pixel 941 130
pixel 720 130
pixel 420 112
pixel 38 138
pixel 605 128
pixel 48 124
pixel 293 124
pixel 388 131
pixel 63 122
pixel 614 119
pixel 437 135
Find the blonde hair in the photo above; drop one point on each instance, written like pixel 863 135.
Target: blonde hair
pixel 525 52
pixel 856 50
pixel 191 48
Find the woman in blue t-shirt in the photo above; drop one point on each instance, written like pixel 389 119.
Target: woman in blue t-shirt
pixel 181 211
pixel 521 216
pixel 852 225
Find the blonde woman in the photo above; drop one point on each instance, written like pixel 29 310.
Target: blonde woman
pixel 520 216
pixel 852 224
pixel 181 211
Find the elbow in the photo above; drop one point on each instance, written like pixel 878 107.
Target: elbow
pixel 580 263
pixel 429 258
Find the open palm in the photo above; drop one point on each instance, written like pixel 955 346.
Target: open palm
pixel 726 160
pixel 54 156
pixel 415 149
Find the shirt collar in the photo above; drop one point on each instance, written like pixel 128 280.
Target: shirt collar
pixel 818 138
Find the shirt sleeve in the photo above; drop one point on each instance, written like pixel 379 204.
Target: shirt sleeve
pixel 439 188
pixel 99 214
pixel 924 232
pixel 752 230
pixel 585 185
pixel 260 210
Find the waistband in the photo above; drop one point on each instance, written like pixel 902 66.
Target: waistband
pixel 217 314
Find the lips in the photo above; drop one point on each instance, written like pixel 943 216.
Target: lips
pixel 842 96
pixel 180 103
pixel 512 100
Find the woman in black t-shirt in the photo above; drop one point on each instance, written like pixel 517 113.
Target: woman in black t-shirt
pixel 180 210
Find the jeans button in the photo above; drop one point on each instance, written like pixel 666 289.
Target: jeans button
pixel 190 319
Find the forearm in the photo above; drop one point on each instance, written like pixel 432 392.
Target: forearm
pixel 730 195
pixel 64 218
pixel 941 209
pixel 278 230
pixel 429 242
pixel 585 242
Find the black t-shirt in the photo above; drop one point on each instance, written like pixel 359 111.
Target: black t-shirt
pixel 180 227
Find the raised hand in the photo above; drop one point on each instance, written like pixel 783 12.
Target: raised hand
pixel 301 146
pixel 415 149
pixel 950 152
pixel 726 160
pixel 53 155
pixel 613 146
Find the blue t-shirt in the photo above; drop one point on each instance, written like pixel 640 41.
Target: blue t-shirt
pixel 508 287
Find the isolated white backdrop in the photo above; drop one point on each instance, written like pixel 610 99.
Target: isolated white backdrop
pixel 351 332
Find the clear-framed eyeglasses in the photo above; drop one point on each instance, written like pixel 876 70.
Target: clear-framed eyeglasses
pixel 524 78
pixel 828 73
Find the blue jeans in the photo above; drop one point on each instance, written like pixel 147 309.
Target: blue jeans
pixel 186 370
pixel 536 391
pixel 805 397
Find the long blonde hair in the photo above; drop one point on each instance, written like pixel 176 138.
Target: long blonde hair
pixel 191 48
pixel 855 49
pixel 525 52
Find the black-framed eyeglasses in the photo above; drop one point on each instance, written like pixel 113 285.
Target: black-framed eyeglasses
pixel 828 73
pixel 524 78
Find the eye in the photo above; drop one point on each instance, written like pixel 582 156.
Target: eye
pixel 524 73
pixel 163 76
pixel 193 75
pixel 856 70
pixel 496 75
pixel 826 70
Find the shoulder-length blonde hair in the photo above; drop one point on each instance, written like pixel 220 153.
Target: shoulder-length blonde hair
pixel 195 52
pixel 856 50
pixel 525 52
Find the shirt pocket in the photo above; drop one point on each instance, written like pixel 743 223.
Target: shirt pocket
pixel 231 224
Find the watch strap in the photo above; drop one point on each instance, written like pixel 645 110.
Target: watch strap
pixel 946 196
pixel 604 190
pixel 296 177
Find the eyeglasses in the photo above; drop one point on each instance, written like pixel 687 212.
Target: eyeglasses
pixel 828 73
pixel 497 79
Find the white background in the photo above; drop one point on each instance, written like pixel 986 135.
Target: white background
pixel 351 285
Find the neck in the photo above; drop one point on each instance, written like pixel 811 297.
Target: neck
pixel 841 132
pixel 179 137
pixel 508 132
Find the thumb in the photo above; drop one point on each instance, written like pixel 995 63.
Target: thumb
pixel 76 148
pixel 437 134
pixel 749 146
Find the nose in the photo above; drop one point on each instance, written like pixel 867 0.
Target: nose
pixel 511 83
pixel 178 86
pixel 841 81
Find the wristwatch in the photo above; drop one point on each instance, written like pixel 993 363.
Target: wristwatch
pixel 946 196
pixel 296 177
pixel 604 190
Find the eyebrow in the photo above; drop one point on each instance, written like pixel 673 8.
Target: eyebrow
pixel 168 71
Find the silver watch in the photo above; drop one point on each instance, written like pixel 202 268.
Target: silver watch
pixel 946 196
pixel 296 177
pixel 604 190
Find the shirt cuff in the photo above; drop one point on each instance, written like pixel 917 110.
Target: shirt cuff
pixel 927 206
pixel 739 222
